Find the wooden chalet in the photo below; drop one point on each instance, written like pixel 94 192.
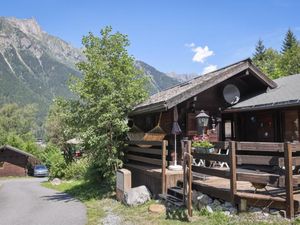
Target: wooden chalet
pixel 254 123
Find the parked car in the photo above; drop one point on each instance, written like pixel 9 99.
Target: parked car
pixel 40 171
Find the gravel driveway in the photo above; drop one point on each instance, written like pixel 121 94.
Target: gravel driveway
pixel 25 202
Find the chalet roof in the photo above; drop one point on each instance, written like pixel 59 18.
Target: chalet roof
pixel 16 150
pixel 169 98
pixel 287 93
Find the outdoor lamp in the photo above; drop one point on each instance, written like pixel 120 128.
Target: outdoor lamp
pixel 202 120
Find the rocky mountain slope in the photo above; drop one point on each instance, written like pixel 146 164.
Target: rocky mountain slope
pixel 35 66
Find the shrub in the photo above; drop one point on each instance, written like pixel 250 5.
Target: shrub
pixel 54 160
pixel 77 169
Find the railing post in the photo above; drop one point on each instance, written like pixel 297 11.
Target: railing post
pixel 233 184
pixel 163 169
pixel 288 163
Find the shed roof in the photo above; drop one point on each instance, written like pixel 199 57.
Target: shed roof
pixel 287 93
pixel 16 150
pixel 168 98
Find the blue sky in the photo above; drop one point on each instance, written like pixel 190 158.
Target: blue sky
pixel 181 36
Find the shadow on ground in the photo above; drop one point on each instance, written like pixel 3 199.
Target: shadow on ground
pixel 59 197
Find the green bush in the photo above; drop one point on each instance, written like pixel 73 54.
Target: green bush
pixel 54 160
pixel 77 169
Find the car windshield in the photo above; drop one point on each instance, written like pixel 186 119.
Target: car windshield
pixel 39 167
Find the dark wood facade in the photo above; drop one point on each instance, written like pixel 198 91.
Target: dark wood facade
pixel 14 162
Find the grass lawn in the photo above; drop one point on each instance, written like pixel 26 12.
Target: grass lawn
pixel 102 207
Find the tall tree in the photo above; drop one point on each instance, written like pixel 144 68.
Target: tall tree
pixel 259 51
pixel 289 41
pixel 290 61
pixel 111 87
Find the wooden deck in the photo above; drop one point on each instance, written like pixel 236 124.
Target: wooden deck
pixel 220 188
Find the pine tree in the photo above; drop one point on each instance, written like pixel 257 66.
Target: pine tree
pixel 289 41
pixel 259 51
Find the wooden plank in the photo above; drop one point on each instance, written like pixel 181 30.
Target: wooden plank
pixel 152 151
pixel 153 143
pixel 211 171
pixel 148 160
pixel 163 168
pixel 260 146
pixel 258 160
pixel 295 160
pixel 233 184
pixel 295 147
pixel 262 178
pixel 212 157
pixel 259 196
pixel 288 180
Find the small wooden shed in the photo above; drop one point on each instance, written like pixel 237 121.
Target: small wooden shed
pixel 15 162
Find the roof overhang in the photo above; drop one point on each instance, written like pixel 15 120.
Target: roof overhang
pixel 274 105
pixel 206 84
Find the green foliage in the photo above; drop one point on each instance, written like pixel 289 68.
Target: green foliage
pixel 111 87
pixel 290 61
pixel 259 51
pixel 54 160
pixel 77 169
pixel 289 41
pixel 55 126
pixel 275 64
pixel 202 144
pixel 18 119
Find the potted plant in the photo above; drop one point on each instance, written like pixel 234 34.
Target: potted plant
pixel 201 144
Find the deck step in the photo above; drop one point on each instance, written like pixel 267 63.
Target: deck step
pixel 176 192
pixel 171 199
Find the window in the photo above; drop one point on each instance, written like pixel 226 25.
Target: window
pixel 291 125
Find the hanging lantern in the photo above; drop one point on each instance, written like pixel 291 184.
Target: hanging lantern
pixel 202 120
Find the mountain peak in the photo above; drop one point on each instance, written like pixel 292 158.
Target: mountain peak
pixel 28 26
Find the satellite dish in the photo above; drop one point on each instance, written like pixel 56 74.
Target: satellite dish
pixel 231 94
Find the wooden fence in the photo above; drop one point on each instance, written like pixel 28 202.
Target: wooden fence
pixel 277 159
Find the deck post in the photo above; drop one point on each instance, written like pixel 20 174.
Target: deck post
pixel 163 169
pixel 288 163
pixel 233 185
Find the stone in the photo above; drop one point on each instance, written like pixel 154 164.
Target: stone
pixel 56 181
pixel 209 209
pixel 157 208
pixel 204 199
pixel 227 213
pixel 228 205
pixel 233 210
pixel 254 209
pixel 137 196
pixel 216 205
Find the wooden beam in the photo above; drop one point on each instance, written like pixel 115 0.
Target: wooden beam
pixel 233 184
pixel 288 180
pixel 262 178
pixel 258 160
pixel 152 151
pixel 148 160
pixel 153 143
pixel 211 171
pixel 260 146
pixel 163 168
pixel 212 157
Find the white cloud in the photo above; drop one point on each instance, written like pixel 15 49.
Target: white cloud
pixel 201 54
pixel 209 69
pixel 191 45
